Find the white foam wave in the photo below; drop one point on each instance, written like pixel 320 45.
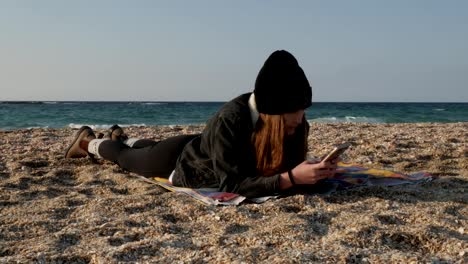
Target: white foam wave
pixel 103 126
pixel 439 109
pixel 346 119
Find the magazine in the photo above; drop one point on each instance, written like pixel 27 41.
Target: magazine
pixel 348 176
pixel 206 195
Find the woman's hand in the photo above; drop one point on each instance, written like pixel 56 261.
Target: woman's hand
pixel 310 172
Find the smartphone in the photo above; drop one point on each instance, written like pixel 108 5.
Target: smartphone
pixel 337 151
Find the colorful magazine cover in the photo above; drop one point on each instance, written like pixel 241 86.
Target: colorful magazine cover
pixel 351 175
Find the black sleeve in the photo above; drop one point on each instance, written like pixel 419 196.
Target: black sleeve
pixel 228 144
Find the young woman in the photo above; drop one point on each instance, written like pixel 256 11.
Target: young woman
pixel 255 145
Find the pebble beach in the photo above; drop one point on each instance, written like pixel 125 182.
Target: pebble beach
pixel 56 210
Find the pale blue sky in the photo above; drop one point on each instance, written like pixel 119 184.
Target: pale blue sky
pixel 374 50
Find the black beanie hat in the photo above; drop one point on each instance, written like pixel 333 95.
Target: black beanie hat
pixel 281 85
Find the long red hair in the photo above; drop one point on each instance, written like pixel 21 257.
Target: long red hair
pixel 269 142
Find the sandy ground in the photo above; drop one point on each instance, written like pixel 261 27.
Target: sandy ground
pixel 54 210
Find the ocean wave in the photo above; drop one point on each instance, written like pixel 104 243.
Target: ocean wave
pixel 103 126
pixel 346 119
pixel 439 109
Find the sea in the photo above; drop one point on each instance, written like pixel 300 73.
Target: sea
pixel 26 115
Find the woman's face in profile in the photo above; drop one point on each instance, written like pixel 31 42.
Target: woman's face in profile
pixel 292 120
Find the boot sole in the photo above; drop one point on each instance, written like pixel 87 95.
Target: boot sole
pixel 75 140
pixel 113 133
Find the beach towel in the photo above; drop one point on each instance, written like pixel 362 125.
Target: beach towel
pixel 348 176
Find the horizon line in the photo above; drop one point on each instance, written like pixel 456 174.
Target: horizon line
pixel 200 101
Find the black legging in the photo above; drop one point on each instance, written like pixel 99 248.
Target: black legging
pixel 146 157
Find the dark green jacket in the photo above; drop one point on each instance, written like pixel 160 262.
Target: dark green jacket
pixel 223 156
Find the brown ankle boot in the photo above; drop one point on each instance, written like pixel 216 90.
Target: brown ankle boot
pixel 116 133
pixel 77 148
